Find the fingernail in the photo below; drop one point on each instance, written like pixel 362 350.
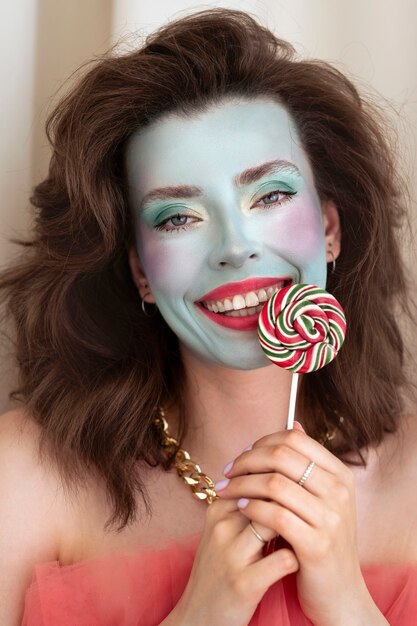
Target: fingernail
pixel 298 426
pixel 242 503
pixel 249 447
pixel 221 484
pixel 228 467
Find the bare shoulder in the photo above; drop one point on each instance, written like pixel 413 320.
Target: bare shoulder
pixel 19 452
pixel 385 494
pixel 18 431
pixel 31 485
pixel 398 469
pixel 405 447
pixel 29 515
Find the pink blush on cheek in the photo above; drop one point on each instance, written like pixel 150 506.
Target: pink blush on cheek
pixel 169 267
pixel 303 243
pixel 311 235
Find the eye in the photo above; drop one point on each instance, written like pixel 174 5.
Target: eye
pixel 176 223
pixel 179 220
pixel 275 197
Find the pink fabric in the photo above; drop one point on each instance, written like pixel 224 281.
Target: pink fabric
pixel 142 589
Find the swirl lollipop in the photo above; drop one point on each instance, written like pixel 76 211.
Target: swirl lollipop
pixel 301 328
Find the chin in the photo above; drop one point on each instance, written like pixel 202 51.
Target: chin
pixel 240 356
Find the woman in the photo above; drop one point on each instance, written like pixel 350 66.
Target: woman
pixel 190 180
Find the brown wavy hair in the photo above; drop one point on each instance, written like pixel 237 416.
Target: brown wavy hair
pixel 92 367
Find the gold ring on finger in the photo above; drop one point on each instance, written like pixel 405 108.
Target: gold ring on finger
pixel 255 532
pixel 307 473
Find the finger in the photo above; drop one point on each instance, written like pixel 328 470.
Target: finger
pixel 220 509
pixel 224 516
pixel 248 545
pixel 305 445
pixel 267 571
pixel 281 459
pixel 262 573
pixel 284 522
pixel 280 489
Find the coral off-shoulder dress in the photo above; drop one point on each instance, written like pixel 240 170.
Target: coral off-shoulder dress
pixel 142 589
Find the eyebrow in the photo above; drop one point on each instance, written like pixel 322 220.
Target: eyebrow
pixel 247 177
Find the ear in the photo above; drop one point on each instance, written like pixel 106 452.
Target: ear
pixel 332 232
pixel 139 277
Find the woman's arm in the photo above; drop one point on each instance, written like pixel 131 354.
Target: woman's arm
pixel 28 510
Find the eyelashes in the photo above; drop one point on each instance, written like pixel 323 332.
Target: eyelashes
pixel 287 195
pixel 176 227
pixel 182 222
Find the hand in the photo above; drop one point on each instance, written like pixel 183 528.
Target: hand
pixel 318 520
pixel 229 575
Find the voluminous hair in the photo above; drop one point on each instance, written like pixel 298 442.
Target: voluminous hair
pixel 92 367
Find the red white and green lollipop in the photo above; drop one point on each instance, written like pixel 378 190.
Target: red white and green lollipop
pixel 301 328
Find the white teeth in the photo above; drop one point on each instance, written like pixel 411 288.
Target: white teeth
pixel 262 295
pixel 241 303
pixel 251 299
pixel 238 302
pixel 245 312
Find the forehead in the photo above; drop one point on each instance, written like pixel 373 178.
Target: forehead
pixel 222 140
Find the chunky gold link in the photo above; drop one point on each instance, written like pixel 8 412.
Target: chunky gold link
pixel 201 485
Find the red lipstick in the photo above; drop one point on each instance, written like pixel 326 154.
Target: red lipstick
pixel 248 322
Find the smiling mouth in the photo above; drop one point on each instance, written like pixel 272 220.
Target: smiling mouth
pixel 244 304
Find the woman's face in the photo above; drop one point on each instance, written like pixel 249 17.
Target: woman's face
pixel 225 210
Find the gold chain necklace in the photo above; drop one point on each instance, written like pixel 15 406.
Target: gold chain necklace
pixel 201 485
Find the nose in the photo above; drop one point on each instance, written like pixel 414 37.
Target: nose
pixel 235 245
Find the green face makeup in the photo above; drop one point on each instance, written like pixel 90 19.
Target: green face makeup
pixel 224 197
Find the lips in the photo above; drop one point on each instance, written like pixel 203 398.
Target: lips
pixel 237 305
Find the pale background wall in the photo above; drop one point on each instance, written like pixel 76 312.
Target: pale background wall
pixel 43 41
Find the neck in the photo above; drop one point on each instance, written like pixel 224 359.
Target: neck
pixel 230 409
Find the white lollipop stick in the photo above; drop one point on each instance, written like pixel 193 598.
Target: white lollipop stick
pixel 293 398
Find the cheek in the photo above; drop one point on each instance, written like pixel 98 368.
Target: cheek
pixel 299 236
pixel 167 265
